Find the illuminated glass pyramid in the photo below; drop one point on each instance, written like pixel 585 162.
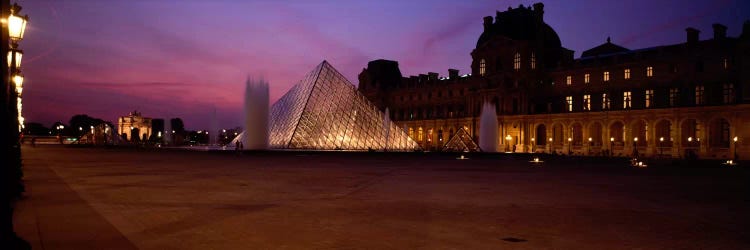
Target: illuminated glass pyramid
pixel 461 142
pixel 324 111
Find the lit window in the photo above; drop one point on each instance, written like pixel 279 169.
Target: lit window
pixel 420 134
pixel 606 76
pixel 605 101
pixel 649 97
pixel 482 67
pixel 517 61
pixel 569 101
pixel 586 78
pixel 674 96
pixel 627 73
pixel 649 71
pixel 726 63
pixel 569 80
pixel 411 133
pixel 587 102
pixel 728 91
pixel 626 98
pixel 533 60
pixel 699 95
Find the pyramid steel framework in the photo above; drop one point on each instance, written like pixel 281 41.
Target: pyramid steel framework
pixel 324 111
pixel 461 142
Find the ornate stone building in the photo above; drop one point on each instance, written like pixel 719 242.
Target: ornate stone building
pixel 671 100
pixel 134 124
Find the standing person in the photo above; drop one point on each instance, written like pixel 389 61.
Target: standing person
pixel 33 141
pixel 237 145
pixel 241 146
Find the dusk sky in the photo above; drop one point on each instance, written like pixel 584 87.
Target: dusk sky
pixel 182 58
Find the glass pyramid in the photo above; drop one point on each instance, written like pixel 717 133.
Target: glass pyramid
pixel 324 111
pixel 461 142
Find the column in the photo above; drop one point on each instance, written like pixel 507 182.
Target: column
pixel 652 141
pixel 676 136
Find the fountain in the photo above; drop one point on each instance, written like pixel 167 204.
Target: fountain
pixel 488 128
pixel 213 134
pixel 256 115
pixel 167 131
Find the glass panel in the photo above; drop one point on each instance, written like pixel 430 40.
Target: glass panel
pixel 324 111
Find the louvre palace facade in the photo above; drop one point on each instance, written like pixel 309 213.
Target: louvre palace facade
pixel 690 98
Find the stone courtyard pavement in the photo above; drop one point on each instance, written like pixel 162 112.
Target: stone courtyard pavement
pixel 97 198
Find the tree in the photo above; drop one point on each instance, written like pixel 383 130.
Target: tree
pixel 82 123
pixel 177 125
pixel 179 131
pixel 37 129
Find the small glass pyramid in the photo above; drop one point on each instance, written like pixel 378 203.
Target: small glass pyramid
pixel 461 142
pixel 324 111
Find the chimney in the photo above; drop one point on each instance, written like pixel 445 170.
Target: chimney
pixel 432 76
pixel 487 23
pixel 720 31
pixel 692 35
pixel 539 10
pixel 452 73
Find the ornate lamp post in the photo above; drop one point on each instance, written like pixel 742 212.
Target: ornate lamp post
pixel 11 119
pixel 533 144
pixel 611 146
pixel 16 30
pixel 590 139
pixel 570 144
pixel 635 147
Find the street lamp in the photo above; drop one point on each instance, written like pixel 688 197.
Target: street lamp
pixel 17 54
pixel 736 157
pixel 661 146
pixel 16 24
pixel 611 145
pixel 533 144
pixel 590 139
pixel 569 144
pixel 16 27
pixel 507 145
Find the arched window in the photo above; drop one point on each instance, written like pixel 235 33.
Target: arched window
pixel 533 60
pixel 482 67
pixel 517 61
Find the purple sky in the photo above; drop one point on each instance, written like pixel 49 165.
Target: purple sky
pixel 182 58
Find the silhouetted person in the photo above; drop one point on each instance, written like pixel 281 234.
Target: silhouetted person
pixel 237 146
pixel 241 146
pixel 33 141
